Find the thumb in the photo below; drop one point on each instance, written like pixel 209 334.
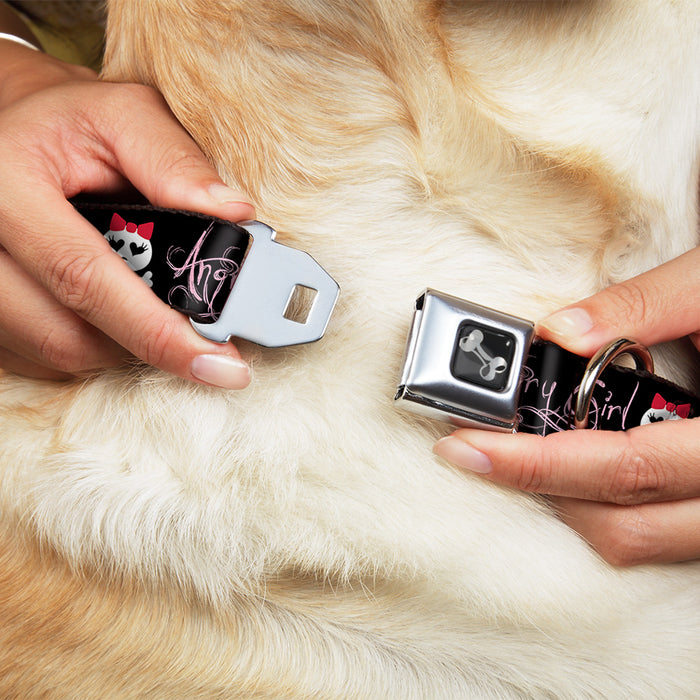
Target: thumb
pixel 659 305
pixel 163 162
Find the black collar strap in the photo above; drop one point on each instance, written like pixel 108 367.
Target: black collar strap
pixel 230 279
pixel 464 363
pixel 476 367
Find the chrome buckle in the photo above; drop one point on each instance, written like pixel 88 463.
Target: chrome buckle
pixel 256 307
pixel 463 363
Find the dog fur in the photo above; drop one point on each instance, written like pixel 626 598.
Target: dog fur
pixel 298 539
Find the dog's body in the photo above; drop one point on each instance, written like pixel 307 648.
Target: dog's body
pixel 298 539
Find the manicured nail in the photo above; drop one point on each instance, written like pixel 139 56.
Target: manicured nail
pixel 569 323
pixel 226 195
pixel 221 370
pixel 463 455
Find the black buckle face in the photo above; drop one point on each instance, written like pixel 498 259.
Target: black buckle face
pixel 463 363
pixel 482 356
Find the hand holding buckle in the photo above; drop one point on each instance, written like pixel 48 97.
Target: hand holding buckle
pixel 475 367
pixel 230 279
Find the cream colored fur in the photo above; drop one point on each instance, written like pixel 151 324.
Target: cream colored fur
pixel 298 539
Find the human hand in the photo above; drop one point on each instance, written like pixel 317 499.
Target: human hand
pixel 634 495
pixel 68 304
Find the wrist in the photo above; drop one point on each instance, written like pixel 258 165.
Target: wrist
pixel 4 36
pixel 13 24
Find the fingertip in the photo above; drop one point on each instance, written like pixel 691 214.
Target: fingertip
pixel 223 194
pixel 221 370
pixel 567 327
pixel 183 352
pixel 462 454
pixel 230 198
pixel 212 199
pixel 575 329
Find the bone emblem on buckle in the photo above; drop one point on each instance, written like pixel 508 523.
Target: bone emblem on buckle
pixel 490 366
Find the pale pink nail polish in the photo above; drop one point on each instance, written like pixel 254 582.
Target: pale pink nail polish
pixel 226 195
pixel 221 370
pixel 569 323
pixel 463 455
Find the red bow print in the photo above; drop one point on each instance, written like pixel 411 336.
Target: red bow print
pixel 659 402
pixel 144 230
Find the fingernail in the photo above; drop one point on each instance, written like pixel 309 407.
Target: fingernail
pixel 463 455
pixel 226 195
pixel 221 370
pixel 569 323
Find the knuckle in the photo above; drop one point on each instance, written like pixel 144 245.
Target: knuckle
pixel 637 477
pixel 178 162
pixel 82 72
pixel 75 284
pixel 157 340
pixel 108 112
pixel 62 351
pixel 136 93
pixel 630 302
pixel 530 475
pixel 629 538
pixel 179 165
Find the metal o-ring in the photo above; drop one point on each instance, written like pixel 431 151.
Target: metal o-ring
pixel 596 366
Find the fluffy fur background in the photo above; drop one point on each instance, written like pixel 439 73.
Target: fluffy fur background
pixel 298 539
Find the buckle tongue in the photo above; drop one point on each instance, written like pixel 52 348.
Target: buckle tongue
pixel 257 305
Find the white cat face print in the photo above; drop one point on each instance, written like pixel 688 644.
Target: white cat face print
pixel 663 410
pixel 133 244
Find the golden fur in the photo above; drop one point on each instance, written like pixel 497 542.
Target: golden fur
pixel 298 539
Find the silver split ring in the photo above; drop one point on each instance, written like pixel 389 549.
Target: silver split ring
pixel 597 364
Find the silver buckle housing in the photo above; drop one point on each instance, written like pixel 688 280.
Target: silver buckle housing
pixel 255 309
pixel 463 363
